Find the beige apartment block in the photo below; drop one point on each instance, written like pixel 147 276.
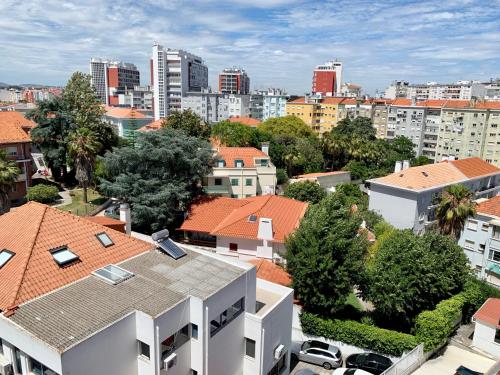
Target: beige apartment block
pixel 319 113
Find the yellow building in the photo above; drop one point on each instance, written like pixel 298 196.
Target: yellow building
pixel 321 114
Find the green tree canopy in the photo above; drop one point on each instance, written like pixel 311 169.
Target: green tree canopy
pixel 456 205
pixel 325 255
pixel 189 122
pixel 43 193
pixel 291 126
pixel 236 134
pixel 8 177
pixel 159 177
pixel 361 127
pixel 420 160
pixel 305 191
pixel 409 274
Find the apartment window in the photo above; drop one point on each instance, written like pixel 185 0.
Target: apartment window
pixel 143 349
pixel 496 232
pixel 234 195
pixel 482 247
pixel 227 316
pixel 494 255
pixel 249 347
pixel 469 245
pixel 218 181
pixel 485 227
pixel 472 225
pixel 233 247
pixel 264 162
pixel 194 331
pixel 39 369
pixel 238 163
pixel 248 182
pixel 235 182
pixel 221 163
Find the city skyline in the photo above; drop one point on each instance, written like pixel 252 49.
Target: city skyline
pixel 274 41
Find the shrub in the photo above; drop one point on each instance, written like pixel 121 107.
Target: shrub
pixel 358 334
pixel 281 176
pixel 372 219
pixel 305 191
pixel 43 193
pixel 475 293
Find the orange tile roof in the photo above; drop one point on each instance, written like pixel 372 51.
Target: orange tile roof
pixel 11 127
pixel 302 100
pixel 490 207
pixel 216 217
pixel 119 112
pixel 155 125
pixel 32 230
pixel 475 167
pixel 488 105
pixel 401 101
pixel 252 122
pixel 457 104
pixel 332 100
pixel 432 103
pixel 247 154
pixel 107 222
pixel 440 174
pixel 320 174
pixel 489 312
pixel 271 272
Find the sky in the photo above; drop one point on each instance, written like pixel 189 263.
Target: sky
pixel 278 42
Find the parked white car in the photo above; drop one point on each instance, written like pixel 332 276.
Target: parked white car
pixel 350 371
pixel 319 353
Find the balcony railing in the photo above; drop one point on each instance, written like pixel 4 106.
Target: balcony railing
pixel 486 191
pixel 216 189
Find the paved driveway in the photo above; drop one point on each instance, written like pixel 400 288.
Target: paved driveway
pixel 303 365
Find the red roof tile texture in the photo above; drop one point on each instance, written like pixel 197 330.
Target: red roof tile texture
pixel 490 207
pixel 228 217
pixel 32 230
pixel 247 154
pixel 490 312
pixel 11 127
pixel 252 122
pixel 271 272
pixel 155 125
pixel 119 112
pixel 107 222
pixel 475 167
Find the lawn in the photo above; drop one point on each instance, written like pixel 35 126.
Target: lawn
pixel 77 206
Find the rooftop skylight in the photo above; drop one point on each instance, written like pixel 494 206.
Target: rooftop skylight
pixel 5 256
pixel 104 239
pixel 63 255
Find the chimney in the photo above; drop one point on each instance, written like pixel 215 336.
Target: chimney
pixel 265 148
pixel 265 231
pixel 125 217
pixel 398 167
pixel 406 164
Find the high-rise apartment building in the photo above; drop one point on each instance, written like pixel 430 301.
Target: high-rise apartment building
pixel 175 72
pixel 110 78
pixel 234 81
pixel 327 79
pixel 320 114
pixel 215 107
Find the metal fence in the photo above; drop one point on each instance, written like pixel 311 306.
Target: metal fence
pixel 408 362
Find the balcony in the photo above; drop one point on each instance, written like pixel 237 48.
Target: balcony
pixel 487 192
pixel 216 189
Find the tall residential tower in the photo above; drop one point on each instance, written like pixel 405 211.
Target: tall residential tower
pixel 234 81
pixel 174 73
pixel 327 79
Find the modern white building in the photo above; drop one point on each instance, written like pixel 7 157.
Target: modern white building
pixel 140 97
pixel 174 73
pixel 408 198
pixel 101 302
pixel 487 327
pixel 480 240
pixel 215 107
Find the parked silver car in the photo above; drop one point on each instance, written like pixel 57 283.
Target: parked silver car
pixel 320 353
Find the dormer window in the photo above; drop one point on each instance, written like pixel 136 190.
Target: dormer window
pixel 238 163
pixel 63 256
pixel 5 256
pixel 264 162
pixel 221 163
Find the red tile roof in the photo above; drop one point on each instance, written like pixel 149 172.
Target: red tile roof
pixel 247 154
pixel 107 222
pixel 271 272
pixel 119 112
pixel 228 217
pixel 32 230
pixel 155 125
pixel 11 127
pixel 401 101
pixel 252 122
pixel 490 207
pixel 489 312
pixel 475 167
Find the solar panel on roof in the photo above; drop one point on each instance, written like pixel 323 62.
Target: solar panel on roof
pixel 169 246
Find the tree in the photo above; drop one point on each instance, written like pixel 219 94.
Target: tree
pixel 159 177
pixel 189 122
pixel 8 178
pixel 286 126
pixel 400 148
pixel 236 134
pixel 325 255
pixel 281 176
pixel 305 191
pixel 420 160
pixel 455 207
pixel 353 195
pixel 83 147
pixel 361 127
pixel 409 274
pixel 43 193
pixel 54 125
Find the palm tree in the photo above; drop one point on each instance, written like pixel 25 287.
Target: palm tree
pixel 83 146
pixel 8 177
pixel 455 207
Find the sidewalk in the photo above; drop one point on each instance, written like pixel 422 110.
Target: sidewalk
pixel 66 198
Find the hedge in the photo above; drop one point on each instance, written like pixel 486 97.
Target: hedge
pixel 358 334
pixel 43 193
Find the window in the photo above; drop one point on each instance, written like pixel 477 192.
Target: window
pixel 39 369
pixel 143 349
pixel 469 245
pixel 227 316
pixel 472 224
pixel 104 239
pixel 218 181
pixel 113 274
pixel 5 256
pixel 497 336
pixel 249 347
pixel 233 247
pixel 496 232
pixel 494 255
pixel 238 163
pixel 194 331
pixel 221 163
pixel 264 162
pixel 185 330
pixel 485 227
pixel 248 182
pixel 63 256
pixel 235 182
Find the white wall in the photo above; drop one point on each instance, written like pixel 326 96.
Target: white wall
pixel 484 339
pixel 399 211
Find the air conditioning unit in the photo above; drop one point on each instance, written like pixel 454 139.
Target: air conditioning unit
pixel 6 369
pixel 279 351
pixel 170 361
